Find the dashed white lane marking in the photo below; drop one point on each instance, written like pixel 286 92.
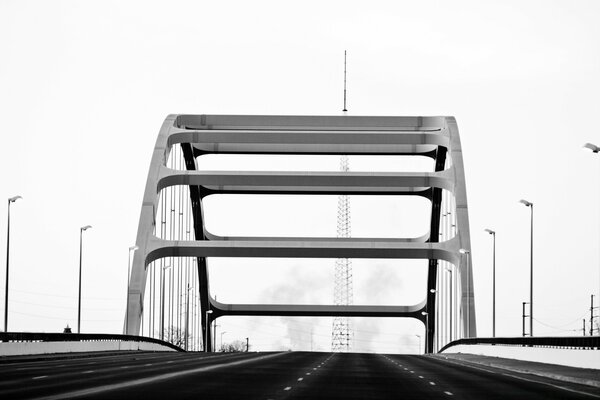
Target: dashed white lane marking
pixel 412 372
pixel 406 369
pixel 147 365
pixel 420 376
pixel 125 366
pixel 432 383
pixel 308 373
pixel 40 377
pixel 88 372
pixel 287 388
pixel 170 362
pixel 314 369
pixel 449 393
pixel 300 379
pixel 158 378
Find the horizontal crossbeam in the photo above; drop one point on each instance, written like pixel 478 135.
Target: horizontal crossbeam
pixel 332 248
pixel 312 310
pixel 290 182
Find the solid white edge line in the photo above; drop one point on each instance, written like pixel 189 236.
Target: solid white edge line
pixel 550 384
pixel 142 381
pixel 517 377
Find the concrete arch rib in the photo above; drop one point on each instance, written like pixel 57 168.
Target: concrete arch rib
pixel 430 136
pixel 465 264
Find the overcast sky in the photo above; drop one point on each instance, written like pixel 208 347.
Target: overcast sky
pixel 85 86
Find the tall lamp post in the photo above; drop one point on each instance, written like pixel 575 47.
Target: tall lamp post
pixel 187 313
pixel 11 200
pixel 419 336
pixel 222 333
pixel 449 270
pixel 493 233
pixel 426 314
pixel 467 253
pixel 530 205
pixel 162 307
pixel 594 149
pixel 132 248
pixel 83 228
pixel 207 329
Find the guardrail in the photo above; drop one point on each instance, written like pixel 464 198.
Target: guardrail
pixel 559 342
pixel 79 337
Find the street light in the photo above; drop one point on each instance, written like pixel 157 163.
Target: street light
pixel 419 336
pixel 467 253
pixel 451 301
pixel 426 314
pixel 132 248
pixel 83 228
pixel 10 200
pixel 493 233
pixel 594 149
pixel 187 313
pixel 207 329
pixel 162 308
pixel 222 333
pixel 530 205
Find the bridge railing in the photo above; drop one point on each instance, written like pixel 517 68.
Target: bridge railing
pixel 565 342
pixel 80 337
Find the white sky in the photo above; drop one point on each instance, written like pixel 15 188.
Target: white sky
pixel 85 86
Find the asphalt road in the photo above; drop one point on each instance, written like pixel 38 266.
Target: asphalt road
pixel 290 375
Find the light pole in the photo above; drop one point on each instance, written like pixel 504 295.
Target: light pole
pixel 222 333
pixel 419 336
pixel 11 200
pixel 426 314
pixel 451 301
pixel 83 228
pixel 595 149
pixel 493 233
pixel 467 253
pixel 132 248
pixel 530 205
pixel 207 329
pixel 187 313
pixel 162 301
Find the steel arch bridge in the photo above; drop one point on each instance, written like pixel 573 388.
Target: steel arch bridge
pixel 164 237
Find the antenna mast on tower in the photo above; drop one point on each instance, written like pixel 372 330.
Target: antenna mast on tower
pixel 344 110
pixel 341 332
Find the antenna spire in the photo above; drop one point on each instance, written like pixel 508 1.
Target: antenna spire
pixel 345 110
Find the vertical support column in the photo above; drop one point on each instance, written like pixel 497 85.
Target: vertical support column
pixel 434 234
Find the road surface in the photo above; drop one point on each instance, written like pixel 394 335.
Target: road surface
pixel 287 375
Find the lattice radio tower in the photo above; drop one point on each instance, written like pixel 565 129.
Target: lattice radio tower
pixel 342 333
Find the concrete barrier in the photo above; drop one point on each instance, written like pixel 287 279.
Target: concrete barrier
pixel 581 358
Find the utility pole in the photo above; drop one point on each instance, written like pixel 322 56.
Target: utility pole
pixel 215 335
pixel 247 345
pixel 592 316
pixel 584 327
pixel 524 316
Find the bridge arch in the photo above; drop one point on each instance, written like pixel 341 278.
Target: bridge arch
pixel 195 135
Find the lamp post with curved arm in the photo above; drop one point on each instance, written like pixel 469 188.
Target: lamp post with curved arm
pixel 530 205
pixel 493 233
pixel 132 248
pixel 81 230
pixel 11 200
pixel 467 253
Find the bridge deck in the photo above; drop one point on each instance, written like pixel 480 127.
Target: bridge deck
pixel 289 375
